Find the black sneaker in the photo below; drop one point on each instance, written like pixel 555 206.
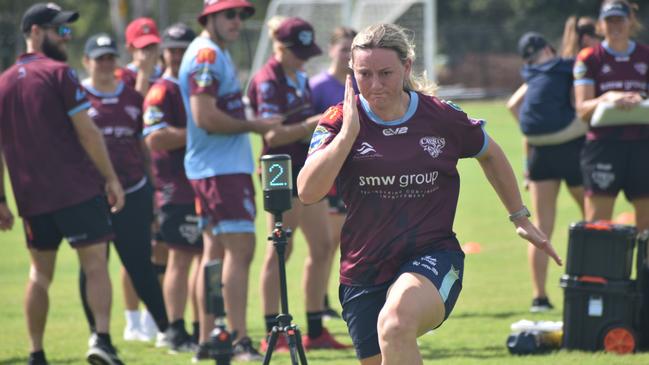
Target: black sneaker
pixel 37 358
pixel 102 353
pixel 541 305
pixel 330 313
pixel 202 353
pixel 244 351
pixel 180 341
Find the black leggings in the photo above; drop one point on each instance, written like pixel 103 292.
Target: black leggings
pixel 132 227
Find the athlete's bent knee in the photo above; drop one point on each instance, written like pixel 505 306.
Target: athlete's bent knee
pixel 39 279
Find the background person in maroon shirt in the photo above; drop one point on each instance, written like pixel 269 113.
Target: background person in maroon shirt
pixel 143 44
pixel 395 150
pixel 117 111
pixel 281 87
pixel 165 123
pixel 614 158
pixel 53 151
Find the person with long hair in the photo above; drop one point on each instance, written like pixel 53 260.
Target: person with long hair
pixel 552 134
pixel 401 264
pixel 281 87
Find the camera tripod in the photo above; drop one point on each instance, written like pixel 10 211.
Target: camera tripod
pixel 220 338
pixel 280 239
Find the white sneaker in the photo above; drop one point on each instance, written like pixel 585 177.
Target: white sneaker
pixel 135 334
pixel 147 325
pixel 161 340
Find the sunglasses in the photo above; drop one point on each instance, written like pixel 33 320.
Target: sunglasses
pixel 62 30
pixel 232 13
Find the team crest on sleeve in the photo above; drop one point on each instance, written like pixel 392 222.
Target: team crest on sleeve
pixel 156 95
pixel 206 55
pixel 204 77
pixel 432 145
pixel 453 105
pixel 332 114
pixel 267 89
pixel 319 137
pixel 579 70
pixel 152 115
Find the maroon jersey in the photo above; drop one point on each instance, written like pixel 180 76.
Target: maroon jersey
pixel 272 93
pixel 608 70
pixel 400 184
pixel 163 107
pixel 119 117
pixel 49 168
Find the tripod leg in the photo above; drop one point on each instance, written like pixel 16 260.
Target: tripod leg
pixel 292 345
pixel 300 348
pixel 271 345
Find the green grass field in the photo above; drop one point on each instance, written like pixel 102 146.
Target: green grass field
pixel 496 285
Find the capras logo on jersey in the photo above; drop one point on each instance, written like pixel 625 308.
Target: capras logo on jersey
pixel 432 145
pixel 403 181
pixel 395 131
pixel 641 67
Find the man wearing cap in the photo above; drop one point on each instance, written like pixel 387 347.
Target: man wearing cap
pixel 165 134
pixel 219 164
pixel 553 137
pixel 142 42
pixel 56 158
pixel 281 87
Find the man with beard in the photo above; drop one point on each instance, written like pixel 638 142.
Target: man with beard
pixel 56 158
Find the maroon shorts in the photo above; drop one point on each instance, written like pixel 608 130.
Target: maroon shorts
pixel 81 224
pixel 226 203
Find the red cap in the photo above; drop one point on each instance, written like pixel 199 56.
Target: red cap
pixel 142 32
pixel 215 6
pixel 298 36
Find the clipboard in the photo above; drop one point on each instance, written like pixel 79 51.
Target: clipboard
pixel 607 115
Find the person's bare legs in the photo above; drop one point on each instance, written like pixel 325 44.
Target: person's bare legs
pixel 239 252
pixel 176 283
pixel 37 302
pixel 212 250
pixel 544 205
pixel 131 300
pixel 598 207
pixel 98 289
pixel 315 226
pixel 641 207
pixel 413 306
pixel 192 287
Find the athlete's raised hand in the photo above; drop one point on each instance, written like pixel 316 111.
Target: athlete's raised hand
pixel 351 125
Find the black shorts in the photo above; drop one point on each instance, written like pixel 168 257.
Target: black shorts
pixel 81 224
pixel 336 204
pixel 556 162
pixel 611 166
pixel 361 305
pixel 179 227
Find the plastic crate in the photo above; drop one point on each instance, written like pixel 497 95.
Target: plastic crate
pixel 600 249
pixel 595 309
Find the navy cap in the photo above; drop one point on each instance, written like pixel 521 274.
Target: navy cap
pixel 530 43
pixel 616 8
pixel 99 45
pixel 46 14
pixel 178 35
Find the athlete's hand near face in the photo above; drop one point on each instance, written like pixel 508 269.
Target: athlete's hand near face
pixel 351 125
pixel 146 58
